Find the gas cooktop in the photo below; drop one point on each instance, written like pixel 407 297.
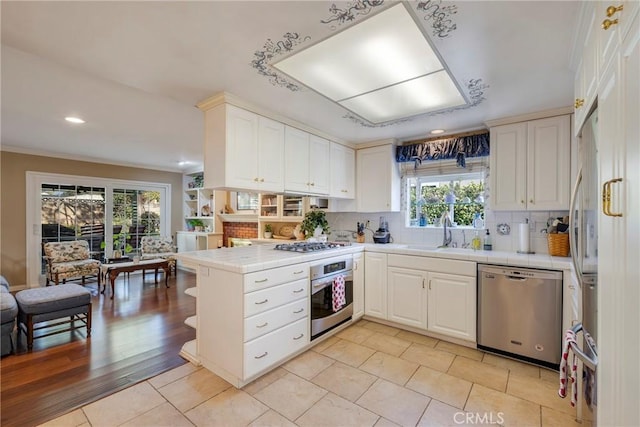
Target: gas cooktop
pixel 310 246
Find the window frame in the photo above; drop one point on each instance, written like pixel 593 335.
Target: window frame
pixel 33 229
pixel 441 171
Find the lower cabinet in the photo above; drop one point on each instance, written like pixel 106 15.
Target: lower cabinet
pixel 250 322
pixel 375 276
pixel 452 305
pixel 406 297
pixel 358 286
pixel 422 293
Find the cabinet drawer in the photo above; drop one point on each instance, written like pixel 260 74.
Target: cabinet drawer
pixel 275 276
pixel 266 299
pixel 436 265
pixel 271 320
pixel 269 349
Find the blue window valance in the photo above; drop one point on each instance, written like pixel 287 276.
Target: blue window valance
pixel 458 148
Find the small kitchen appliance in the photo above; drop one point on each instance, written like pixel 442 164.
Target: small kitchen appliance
pixel 382 235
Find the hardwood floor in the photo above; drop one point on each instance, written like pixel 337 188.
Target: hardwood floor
pixel 135 336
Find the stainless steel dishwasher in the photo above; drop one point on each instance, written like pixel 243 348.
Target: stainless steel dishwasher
pixel 520 313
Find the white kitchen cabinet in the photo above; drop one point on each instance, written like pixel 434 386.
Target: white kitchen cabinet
pixel 188 241
pixel 378 179
pixel 530 165
pixel 452 305
pixel 343 167
pixel 586 81
pixel 407 297
pixel 306 161
pixel 375 278
pixel 264 318
pixel 422 292
pixel 618 244
pixel 613 22
pixel 358 286
pixel 243 150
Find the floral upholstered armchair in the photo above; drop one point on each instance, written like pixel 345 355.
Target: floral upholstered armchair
pixel 69 260
pixel 158 247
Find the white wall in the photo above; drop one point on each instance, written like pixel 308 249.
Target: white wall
pixel 433 236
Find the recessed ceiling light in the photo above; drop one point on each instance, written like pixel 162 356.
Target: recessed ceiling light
pixel 183 163
pixel 437 131
pixel 383 68
pixel 72 119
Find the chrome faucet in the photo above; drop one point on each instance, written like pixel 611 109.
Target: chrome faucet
pixel 446 223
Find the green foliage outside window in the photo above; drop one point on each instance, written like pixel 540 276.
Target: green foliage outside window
pixel 432 203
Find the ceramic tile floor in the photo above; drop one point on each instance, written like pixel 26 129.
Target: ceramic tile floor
pixel 368 374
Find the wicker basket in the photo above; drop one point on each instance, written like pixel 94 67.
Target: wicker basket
pixel 558 244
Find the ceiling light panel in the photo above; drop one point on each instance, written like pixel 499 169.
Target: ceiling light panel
pixel 422 95
pixel 381 51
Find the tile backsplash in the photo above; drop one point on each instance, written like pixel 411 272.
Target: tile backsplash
pixel 433 236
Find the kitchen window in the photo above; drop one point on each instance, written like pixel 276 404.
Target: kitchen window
pixel 431 191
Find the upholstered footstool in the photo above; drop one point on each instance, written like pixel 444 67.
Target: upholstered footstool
pixel 50 303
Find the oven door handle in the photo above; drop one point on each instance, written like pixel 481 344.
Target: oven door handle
pixel 323 283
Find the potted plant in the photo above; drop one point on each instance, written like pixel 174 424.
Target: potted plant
pixel 314 223
pixel 268 231
pixel 120 245
pixel 195 224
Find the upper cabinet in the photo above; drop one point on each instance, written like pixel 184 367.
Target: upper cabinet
pixel 614 21
pixel 378 182
pixel 306 160
pixel 343 172
pixel 530 165
pixel 242 150
pixel 602 28
pixel 586 80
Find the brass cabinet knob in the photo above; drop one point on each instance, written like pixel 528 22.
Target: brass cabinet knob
pixel 578 103
pixel 522 202
pixel 611 10
pixel 608 23
pixel 531 201
pixel 255 179
pixel 261 179
pixel 312 184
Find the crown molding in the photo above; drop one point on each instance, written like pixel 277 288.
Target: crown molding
pixel 563 111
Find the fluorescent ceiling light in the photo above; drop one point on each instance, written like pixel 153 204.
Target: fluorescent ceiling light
pixel 437 131
pixel 77 120
pixel 381 69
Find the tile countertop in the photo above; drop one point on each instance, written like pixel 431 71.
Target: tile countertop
pixel 248 259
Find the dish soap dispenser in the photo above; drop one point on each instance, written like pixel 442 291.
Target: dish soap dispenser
pixel 487 246
pixel 476 243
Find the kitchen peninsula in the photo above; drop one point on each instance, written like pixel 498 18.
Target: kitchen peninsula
pixel 253 303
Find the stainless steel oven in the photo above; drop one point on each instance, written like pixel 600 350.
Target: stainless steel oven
pixel 323 276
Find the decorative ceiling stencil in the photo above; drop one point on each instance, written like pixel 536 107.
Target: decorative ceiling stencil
pixel 475 89
pixel 348 14
pixel 271 50
pixel 440 16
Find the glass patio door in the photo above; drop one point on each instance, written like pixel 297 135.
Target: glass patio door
pixel 135 213
pixel 109 214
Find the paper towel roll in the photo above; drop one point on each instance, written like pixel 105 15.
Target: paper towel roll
pixel 524 238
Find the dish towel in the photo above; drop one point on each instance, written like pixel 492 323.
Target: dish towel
pixel 589 377
pixel 337 290
pixel 569 338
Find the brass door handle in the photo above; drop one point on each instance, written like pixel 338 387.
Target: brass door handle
pixel 606 198
pixel 578 103
pixel 608 23
pixel 611 10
